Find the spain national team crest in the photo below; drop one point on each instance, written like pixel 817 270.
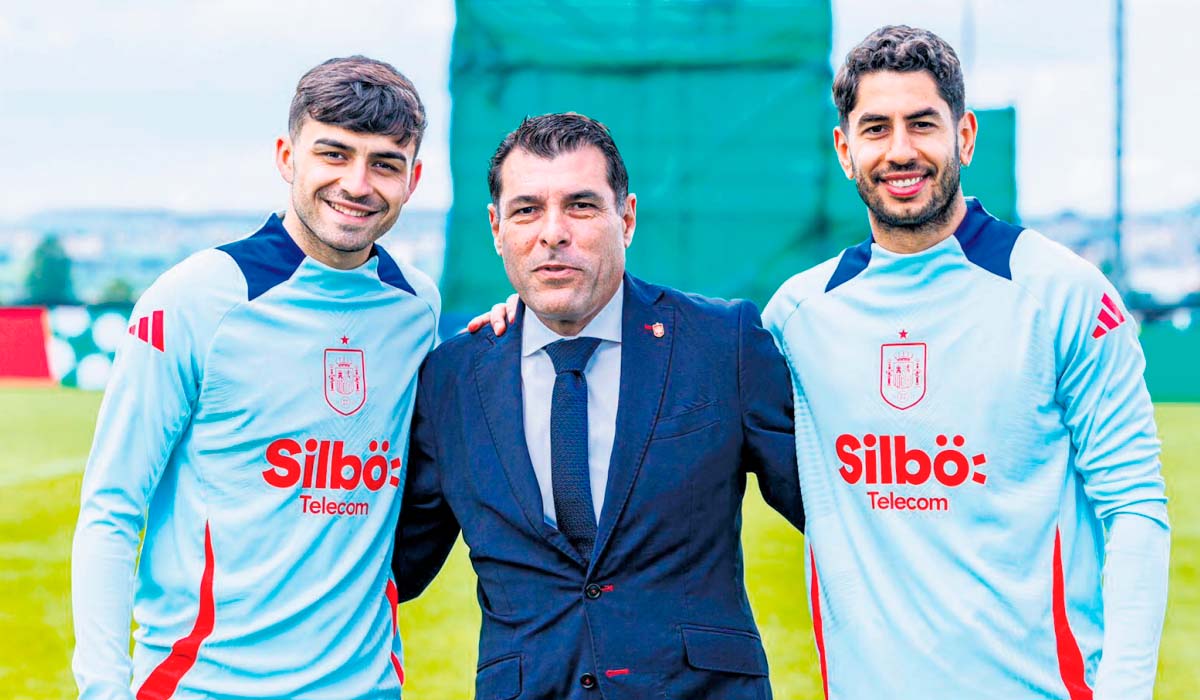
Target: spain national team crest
pixel 902 374
pixel 345 380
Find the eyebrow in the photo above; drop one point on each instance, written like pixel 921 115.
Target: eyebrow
pixel 523 199
pixel 872 118
pixel 528 199
pixel 388 155
pixel 922 114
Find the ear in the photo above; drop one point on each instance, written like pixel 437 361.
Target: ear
pixel 494 220
pixel 968 129
pixel 283 158
pixel 841 144
pixel 630 218
pixel 414 176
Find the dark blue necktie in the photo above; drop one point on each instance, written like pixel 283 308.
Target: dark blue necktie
pixel 569 474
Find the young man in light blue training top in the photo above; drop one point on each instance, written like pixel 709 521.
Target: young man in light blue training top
pixel 255 427
pixel 975 440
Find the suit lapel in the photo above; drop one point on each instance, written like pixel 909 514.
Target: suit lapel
pixel 498 379
pixel 644 361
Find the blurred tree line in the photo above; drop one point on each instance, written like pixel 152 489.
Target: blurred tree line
pixel 49 280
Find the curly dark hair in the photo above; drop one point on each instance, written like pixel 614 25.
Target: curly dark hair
pixel 902 49
pixel 362 95
pixel 549 135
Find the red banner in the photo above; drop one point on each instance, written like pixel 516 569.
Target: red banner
pixel 24 331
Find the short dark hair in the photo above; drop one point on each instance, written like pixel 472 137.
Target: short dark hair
pixel 552 134
pixel 362 95
pixel 905 50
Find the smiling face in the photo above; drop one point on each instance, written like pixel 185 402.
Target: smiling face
pixel 903 148
pixel 347 188
pixel 562 234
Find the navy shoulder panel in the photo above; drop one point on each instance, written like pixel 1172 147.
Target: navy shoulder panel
pixel 267 258
pixel 987 241
pixel 389 271
pixel 854 261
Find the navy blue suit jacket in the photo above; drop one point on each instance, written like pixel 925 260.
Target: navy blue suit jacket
pixel 660 611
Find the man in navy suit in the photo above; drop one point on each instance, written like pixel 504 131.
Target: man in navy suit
pixel 595 455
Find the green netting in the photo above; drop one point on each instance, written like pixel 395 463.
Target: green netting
pixel 993 173
pixel 499 36
pixel 1172 361
pixel 721 110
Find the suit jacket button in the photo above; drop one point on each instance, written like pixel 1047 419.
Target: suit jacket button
pixel 592 591
pixel 588 681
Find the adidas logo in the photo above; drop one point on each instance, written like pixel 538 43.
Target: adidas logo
pixel 149 329
pixel 1109 317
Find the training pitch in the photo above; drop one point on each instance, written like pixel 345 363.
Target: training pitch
pixel 44 438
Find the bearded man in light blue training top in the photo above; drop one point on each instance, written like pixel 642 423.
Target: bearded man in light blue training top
pixel 975 439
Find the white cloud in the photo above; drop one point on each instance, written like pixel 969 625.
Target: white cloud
pixel 129 103
pixel 178 103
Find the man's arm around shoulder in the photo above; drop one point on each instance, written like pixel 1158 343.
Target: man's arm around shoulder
pixel 427 528
pixel 768 422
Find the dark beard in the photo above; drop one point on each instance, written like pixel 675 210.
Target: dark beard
pixel 930 218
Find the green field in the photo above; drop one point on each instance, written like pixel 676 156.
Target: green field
pixel 44 437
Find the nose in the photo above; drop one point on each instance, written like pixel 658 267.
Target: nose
pixel 355 179
pixel 557 231
pixel 900 147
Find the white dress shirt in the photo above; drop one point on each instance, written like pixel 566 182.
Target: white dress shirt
pixel 603 375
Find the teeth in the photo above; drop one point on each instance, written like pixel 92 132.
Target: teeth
pixel 350 212
pixel 907 182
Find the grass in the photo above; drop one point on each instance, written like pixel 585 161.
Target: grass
pixel 45 434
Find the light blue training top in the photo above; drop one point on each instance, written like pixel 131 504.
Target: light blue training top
pixel 969 421
pixel 255 426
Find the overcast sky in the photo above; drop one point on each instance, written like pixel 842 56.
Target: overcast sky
pixel 176 104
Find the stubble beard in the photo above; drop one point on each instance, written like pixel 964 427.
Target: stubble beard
pixel 929 218
pixel 307 211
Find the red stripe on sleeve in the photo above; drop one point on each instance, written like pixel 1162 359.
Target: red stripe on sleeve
pixel 1070 659
pixel 164 679
pixel 156 328
pixel 1112 306
pixel 144 329
pixel 393 597
pixel 399 669
pixel 816 620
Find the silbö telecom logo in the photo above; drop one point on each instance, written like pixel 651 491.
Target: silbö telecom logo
pixel 888 460
pixel 327 467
